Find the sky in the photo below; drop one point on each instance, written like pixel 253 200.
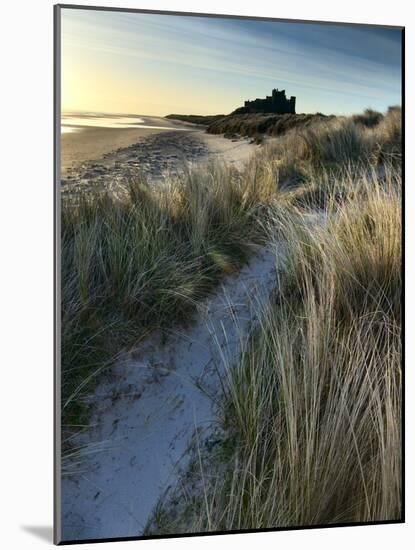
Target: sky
pixel 151 64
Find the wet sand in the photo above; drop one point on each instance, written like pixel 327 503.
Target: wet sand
pixel 107 158
pixel 93 143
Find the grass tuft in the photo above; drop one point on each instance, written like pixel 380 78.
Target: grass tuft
pixel 310 420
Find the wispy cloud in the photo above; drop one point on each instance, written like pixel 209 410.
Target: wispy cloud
pixel 339 68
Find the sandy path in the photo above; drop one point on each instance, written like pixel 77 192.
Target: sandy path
pixel 148 411
pixel 236 152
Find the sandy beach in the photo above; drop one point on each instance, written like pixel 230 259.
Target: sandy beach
pixel 104 156
pixel 88 143
pixel 93 143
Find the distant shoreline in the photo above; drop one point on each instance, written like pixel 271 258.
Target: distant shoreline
pixel 91 143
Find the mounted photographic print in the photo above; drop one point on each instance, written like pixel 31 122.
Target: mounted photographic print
pixel 228 274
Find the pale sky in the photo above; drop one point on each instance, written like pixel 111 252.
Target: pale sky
pixel 119 62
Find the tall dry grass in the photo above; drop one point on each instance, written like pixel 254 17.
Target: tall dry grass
pixel 311 417
pixel 141 261
pixel 252 124
pixel 315 403
pixel 331 144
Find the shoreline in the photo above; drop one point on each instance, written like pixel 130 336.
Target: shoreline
pixel 92 143
pixel 153 152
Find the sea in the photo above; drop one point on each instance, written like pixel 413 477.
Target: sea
pixel 75 122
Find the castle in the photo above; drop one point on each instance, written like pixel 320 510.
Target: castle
pixel 275 103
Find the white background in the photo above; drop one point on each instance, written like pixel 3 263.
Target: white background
pixel 26 267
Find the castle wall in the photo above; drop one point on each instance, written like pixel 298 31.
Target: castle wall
pixel 276 103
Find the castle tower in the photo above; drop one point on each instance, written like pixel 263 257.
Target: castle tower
pixel 277 102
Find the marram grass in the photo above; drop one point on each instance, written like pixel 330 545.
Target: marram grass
pixel 310 416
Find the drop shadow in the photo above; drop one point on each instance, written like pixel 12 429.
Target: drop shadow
pixel 43 532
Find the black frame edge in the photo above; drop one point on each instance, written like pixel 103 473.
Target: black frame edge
pixel 222 16
pixel 56 276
